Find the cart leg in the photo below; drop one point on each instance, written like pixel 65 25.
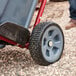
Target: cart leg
pixel 41 10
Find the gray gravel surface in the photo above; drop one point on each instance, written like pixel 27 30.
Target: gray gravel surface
pixel 15 61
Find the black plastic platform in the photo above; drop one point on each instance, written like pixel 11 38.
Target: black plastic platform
pixel 14 32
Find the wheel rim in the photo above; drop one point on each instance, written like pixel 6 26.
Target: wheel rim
pixel 2 46
pixel 52 44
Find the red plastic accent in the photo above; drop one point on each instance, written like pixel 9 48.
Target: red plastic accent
pixel 41 10
pixel 7 40
pixel 13 43
pixel 40 0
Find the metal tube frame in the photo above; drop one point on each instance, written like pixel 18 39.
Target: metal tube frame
pixel 38 19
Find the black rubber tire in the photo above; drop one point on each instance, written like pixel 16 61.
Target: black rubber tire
pixel 35 43
pixel 58 0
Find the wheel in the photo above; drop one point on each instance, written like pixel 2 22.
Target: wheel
pixel 46 43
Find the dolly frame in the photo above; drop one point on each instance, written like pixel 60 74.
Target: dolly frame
pixel 38 19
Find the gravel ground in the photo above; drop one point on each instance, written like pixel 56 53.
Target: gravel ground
pixel 15 61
